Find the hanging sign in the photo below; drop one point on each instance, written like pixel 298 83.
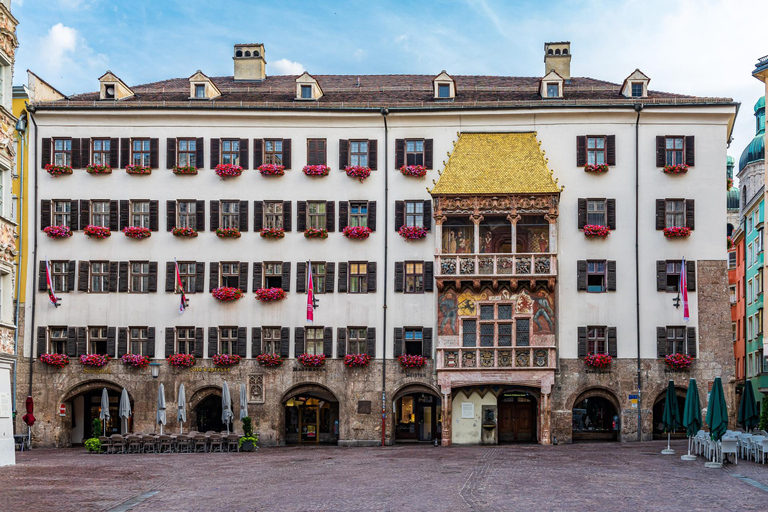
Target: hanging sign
pixel 62 410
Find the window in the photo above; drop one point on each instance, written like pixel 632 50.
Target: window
pixel 596 340
pixel 314 341
pixel 414 152
pixel 62 152
pixel 57 340
pixel 59 273
pixel 732 259
pixel 734 331
pixel 676 340
pixel 230 214
pixel 358 213
pixel 596 212
pixel 637 89
pixel 140 214
pixel 99 276
pixel 228 340
pixel 139 276
pixel 273 275
pixel 306 92
pixel 674 213
pixel 187 215
pixel 273 152
pixel 673 275
pixel 199 90
pixel 595 150
pixel 185 340
pixel 100 213
pixel 522 332
pixel 413 342
pixel 443 91
pixel 414 213
pixel 97 340
pixel 270 340
pixel 230 275
pixel 316 214
pixel 187 152
pixel 358 278
pixel 596 276
pixel 674 151
pixel 414 277
pixel 356 337
pixel 358 153
pixel 62 213
pixel 101 152
pixel 273 214
pixel 749 224
pixel 137 341
pixel 553 90
pixel 140 155
pixel 469 330
pixel 496 328
pixel 187 273
pixel 749 255
pixel 732 290
pixel 230 152
pixel 318 277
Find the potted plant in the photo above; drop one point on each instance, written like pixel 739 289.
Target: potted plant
pixel 358 171
pixel 184 169
pixel 58 231
pixel 315 233
pixel 97 360
pixel 357 232
pixel 137 232
pixel 98 169
pixel 415 171
pixel 269 360
pixel 273 233
pixel 187 232
pixel 412 232
pixel 411 361
pixel 93 445
pixel 676 169
pixel 135 360
pixel 316 170
pixel 271 170
pixel 98 232
pixel 181 360
pixel 138 169
pixel 248 442
pixel 596 168
pixel 312 361
pixel 356 360
pixel 677 232
pixel 598 360
pixel 227 293
pixel 678 361
pixel 58 360
pixel 228 233
pixel 270 294
pixel 596 231
pixel 228 170
pixel 58 170
pixel 226 359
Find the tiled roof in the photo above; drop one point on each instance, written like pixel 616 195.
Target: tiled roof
pixel 496 163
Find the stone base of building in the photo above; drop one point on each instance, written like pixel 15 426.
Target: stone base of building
pixel 7 454
pixel 359 442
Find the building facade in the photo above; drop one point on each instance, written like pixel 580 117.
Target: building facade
pixel 504 267
pixel 737 287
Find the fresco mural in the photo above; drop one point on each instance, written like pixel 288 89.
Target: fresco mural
pixel 458 239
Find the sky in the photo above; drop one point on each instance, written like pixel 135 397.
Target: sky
pixel 697 47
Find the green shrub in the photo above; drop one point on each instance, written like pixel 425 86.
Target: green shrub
pixel 93 444
pixel 96 427
pixel 764 415
pixel 247 426
pixel 253 439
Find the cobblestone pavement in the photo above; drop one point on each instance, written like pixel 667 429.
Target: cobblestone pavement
pixel 578 477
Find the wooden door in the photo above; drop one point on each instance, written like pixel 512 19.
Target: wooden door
pixel 506 422
pixel 524 421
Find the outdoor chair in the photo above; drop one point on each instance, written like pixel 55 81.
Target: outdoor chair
pixel 148 443
pixel 164 444
pixel 209 432
pixel 105 445
pixel 233 443
pixel 700 441
pixel 729 445
pixel 117 442
pixel 744 445
pixel 217 443
pixel 183 444
pixel 201 443
pixel 754 442
pixel 761 450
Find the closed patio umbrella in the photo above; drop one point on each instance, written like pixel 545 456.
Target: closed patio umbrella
pixel 691 415
pixel 226 406
pixel 125 407
pixel 161 407
pixel 717 414
pixel 104 413
pixel 749 415
pixel 243 402
pixel 671 417
pixel 181 415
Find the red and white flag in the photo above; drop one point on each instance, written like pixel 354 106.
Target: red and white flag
pixel 51 295
pixel 183 302
pixel 310 296
pixel 684 291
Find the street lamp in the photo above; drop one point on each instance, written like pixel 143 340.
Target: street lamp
pixel 155 369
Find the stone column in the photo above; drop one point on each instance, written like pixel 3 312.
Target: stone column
pixel 476 220
pixel 513 218
pixel 552 219
pixel 447 416
pixel 546 414
pixel 439 219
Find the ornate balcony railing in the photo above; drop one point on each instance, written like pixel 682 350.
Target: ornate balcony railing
pixel 541 264
pixel 497 358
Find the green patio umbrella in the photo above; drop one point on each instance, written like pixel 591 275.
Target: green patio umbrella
pixel 717 414
pixel 671 417
pixel 691 415
pixel 749 415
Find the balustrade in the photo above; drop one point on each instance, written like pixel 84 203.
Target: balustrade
pixel 537 264
pixel 497 358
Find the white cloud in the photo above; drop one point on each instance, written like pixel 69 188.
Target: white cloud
pixel 56 46
pixel 285 67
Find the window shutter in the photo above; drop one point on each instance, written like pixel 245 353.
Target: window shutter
pixel 690 275
pixel 426 350
pixel 330 216
pixel 689 214
pixel 83 275
pixel 111 341
pixel 213 276
pixel 170 341
pixel 373 154
pixel 45 158
pixel 114 215
pixel 371 281
pixel 690 152
pixel 301 277
pixel 122 341
pixel 370 342
pixel 125 152
pixel 661 276
pixel 255 341
pixel 170 277
pixel 124 214
pixel 113 272
pixel 661 151
pixel 199 342
pixel 72 342
pixel 343 215
pixel 42 280
pixel 287 153
pixel 285 342
pixel 581 275
pixel 427 215
pixel 213 341
pixel 257 275
pixel 170 153
pixel 85 213
pixel 74 216
pixel 316 152
pixel 154 220
pixel 582 344
pixel 330 270
pixel 581 151
pixel 582 213
pixel 287 219
pixel 45 213
pixel 343 154
pixel 301 215
pixel 298 342
pixel 122 277
pixel 114 161
pixel 399 214
pixel 85 152
pixel 428 153
pixel 398 342
pixel 690 337
pixel 328 342
pixel 71 276
pixel 214 215
pixel 661 209
pixel 200 276
pixel 372 215
pixel 342 277
pixel 152 285
pixel 242 279
pixel 610 334
pixel 258 215
pixel 76 164
pixel 399 153
pixel 610 206
pixel 610 150
pixel 170 215
pixel 215 156
pixel 287 276
pixel 151 342
pixel 399 275
pixel 243 216
pixel 341 342
pixel 661 342
pixel 429 276
pixel 200 215
pixel 42 338
pixel 154 156
pixel 258 153
pixel 244 153
pixel 610 267
pixel 199 153
pixel 82 341
pixel 242 339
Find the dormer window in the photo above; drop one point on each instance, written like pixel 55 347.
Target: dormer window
pixel 637 89
pixel 443 91
pixel 306 92
pixel 200 91
pixel 112 88
pixel 307 88
pixel 635 85
pixel 444 87
pixel 202 88
pixel 553 90
pixel 551 86
pixel 109 91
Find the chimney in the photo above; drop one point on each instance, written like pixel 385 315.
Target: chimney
pixel 557 58
pixel 250 65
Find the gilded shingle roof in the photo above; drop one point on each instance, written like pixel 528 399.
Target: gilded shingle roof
pixel 496 163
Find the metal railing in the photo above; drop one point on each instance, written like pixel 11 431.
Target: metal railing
pixel 497 358
pixel 541 264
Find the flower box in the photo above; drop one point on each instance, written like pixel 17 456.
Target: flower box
pixel 58 360
pixel 676 169
pixel 228 170
pixel 597 168
pixel 228 233
pixel 97 360
pixel 58 231
pixel 226 359
pixel 272 233
pixel 184 169
pixel 181 360
pixel 415 171
pixel 677 232
pixel 316 170
pixel 58 170
pixel 729 243
pixel 227 293
pixel 356 360
pixel 412 232
pixel 138 169
pixel 358 171
pixel 97 231
pixel 270 294
pixel 269 360
pixel 678 361
pixel 312 360
pixel 98 169
pixel 315 233
pixel 409 361
pixel 596 231
pixel 188 232
pixel 598 360
pixel 728 183
pixel 357 232
pixel 137 232
pixel 271 170
pixel 135 360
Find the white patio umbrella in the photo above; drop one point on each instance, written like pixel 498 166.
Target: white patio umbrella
pixel 243 402
pixel 104 413
pixel 161 407
pixel 226 406
pixel 181 415
pixel 125 407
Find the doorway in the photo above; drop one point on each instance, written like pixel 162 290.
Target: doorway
pixel 311 419
pixel 517 417
pixel 92 410
pixel 208 413
pixel 417 418
pixel 658 414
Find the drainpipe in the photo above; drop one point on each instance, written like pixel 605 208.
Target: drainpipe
pixel 638 107
pixel 21 130
pixel 384 114
pixel 31 111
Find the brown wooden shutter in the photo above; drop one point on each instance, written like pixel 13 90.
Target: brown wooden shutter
pixel 170 341
pixel 661 212
pixel 114 161
pixel 72 342
pixel 690 275
pixel 341 342
pixel 124 213
pixel 610 267
pixel 581 151
pixel 200 215
pixel 122 341
pixel 213 276
pixel 287 218
pixel 151 342
pixel 328 342
pixel 399 153
pixel 42 339
pixel 371 280
pixel 154 215
pixel 426 349
pixel 373 154
pixel 85 152
pixel 199 342
pixel 372 215
pixel 427 219
pixel 287 153
pixel 243 216
pixel 170 153
pixel 257 275
pixel 581 275
pixel 301 277
pixel 111 341
pixel 170 215
pixel 83 276
pixel 258 152
pixel 213 341
pixel 214 215
pixel 690 337
pixel 661 342
pixel 242 279
pixel 398 341
pixel 114 215
pixel 343 215
pixel 152 281
pixel 330 276
pixel 45 213
pixel 582 213
pixel 370 342
pixel 42 280
pixel 215 155
pixel 582 342
pixel 200 276
pixel 429 276
pixel 255 341
pixel 343 277
pixel 399 214
pixel 45 152
pixel 154 153
pixel 610 207
pixel 199 153
pixel 428 153
pixel 399 276
pixel 244 153
pixel 343 154
pixel 258 215
pixel 286 277
pixel 610 150
pixel 330 216
pixel 125 152
pixel 610 334
pixel 285 342
pixel 298 342
pixel 661 151
pixel 122 277
pixel 113 272
pixel 690 214
pixel 170 277
pixel 76 154
pixel 242 340
pixel 301 215
pixel 85 213
pixel 74 216
pixel 82 341
pixel 690 152
pixel 316 152
pixel 661 276
pixel 71 266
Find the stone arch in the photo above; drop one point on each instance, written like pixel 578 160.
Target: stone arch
pixel 557 52
pixel 599 391
pixel 657 411
pixel 93 385
pixel 565 51
pixel 239 53
pixel 550 52
pixel 247 53
pixel 407 389
pixel 310 387
pixel 201 394
pixel 65 423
